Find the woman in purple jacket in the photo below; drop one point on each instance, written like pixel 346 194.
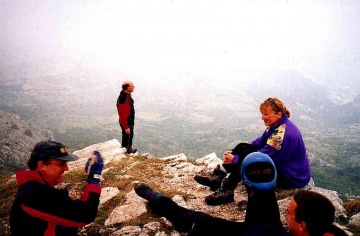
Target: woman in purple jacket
pixel 282 141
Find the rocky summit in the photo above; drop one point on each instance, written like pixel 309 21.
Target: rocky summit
pixel 122 212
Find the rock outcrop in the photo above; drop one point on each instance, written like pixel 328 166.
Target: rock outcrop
pixel 17 139
pixel 177 173
pixel 122 212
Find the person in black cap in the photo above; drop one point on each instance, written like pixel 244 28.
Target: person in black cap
pixel 309 213
pixel 41 209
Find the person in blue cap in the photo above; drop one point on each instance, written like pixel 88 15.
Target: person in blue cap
pixel 262 213
pixel 41 209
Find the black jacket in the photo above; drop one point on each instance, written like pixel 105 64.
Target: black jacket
pixel 40 209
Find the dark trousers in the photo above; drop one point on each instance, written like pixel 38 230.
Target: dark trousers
pixel 243 149
pixel 262 217
pixel 126 141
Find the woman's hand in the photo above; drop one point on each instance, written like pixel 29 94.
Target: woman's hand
pixel 228 157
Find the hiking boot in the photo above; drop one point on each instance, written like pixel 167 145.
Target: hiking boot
pixel 219 197
pixel 131 151
pixel 212 180
pixel 146 192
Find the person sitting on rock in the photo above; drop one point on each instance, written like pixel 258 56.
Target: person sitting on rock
pixel 309 213
pixel 282 141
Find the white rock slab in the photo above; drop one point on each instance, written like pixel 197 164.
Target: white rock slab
pixel 133 207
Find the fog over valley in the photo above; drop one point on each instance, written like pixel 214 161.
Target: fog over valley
pixel 200 69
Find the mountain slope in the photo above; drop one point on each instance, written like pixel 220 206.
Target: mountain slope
pixel 17 138
pixel 348 113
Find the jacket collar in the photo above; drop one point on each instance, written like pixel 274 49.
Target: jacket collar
pixel 283 120
pixel 24 176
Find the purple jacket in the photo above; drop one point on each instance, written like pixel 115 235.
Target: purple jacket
pixel 284 144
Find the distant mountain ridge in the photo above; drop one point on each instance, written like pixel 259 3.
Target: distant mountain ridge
pixel 349 113
pixel 63 86
pixel 182 113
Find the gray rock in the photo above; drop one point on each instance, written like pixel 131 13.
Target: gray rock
pixel 128 230
pixel 354 222
pixel 110 150
pixel 17 139
pixel 132 208
pixel 107 194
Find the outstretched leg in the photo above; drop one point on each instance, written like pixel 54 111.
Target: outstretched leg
pixel 192 222
pixel 262 207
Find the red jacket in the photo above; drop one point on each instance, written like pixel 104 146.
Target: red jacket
pixel 126 111
pixel 40 209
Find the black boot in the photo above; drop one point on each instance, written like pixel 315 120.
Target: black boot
pixel 212 180
pixel 223 195
pixel 146 192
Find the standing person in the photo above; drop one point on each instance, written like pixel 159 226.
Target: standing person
pixel 41 209
pixel 126 112
pixel 282 141
pixel 309 213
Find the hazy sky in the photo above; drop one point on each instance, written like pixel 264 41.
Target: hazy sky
pixel 199 37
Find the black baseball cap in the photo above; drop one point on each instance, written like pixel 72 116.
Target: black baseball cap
pixel 45 150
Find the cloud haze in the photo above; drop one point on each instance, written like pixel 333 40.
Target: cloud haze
pixel 321 39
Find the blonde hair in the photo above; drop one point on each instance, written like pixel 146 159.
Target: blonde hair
pixel 276 105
